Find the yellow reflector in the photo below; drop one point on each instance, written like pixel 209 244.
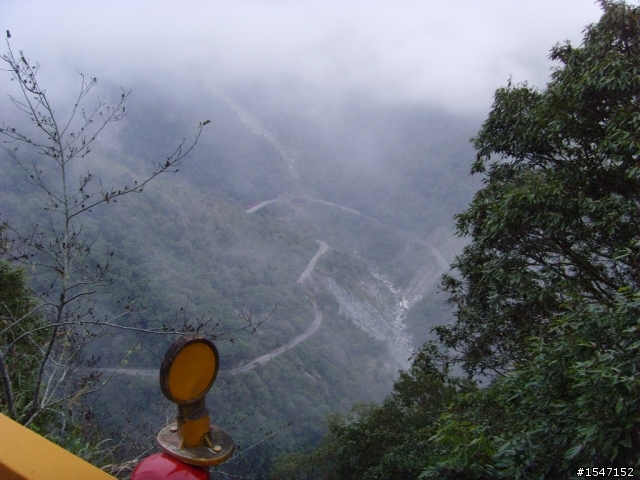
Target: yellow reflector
pixel 192 372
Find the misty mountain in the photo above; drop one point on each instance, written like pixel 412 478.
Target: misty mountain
pixel 377 183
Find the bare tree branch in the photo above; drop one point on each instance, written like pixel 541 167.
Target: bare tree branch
pixel 63 322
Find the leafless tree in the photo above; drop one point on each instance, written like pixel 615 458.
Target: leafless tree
pixel 59 249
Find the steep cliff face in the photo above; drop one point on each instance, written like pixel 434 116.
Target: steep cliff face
pixel 379 308
pixel 373 310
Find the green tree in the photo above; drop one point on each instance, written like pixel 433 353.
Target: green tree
pixel 574 403
pixel 19 313
pixel 557 219
pixel 546 292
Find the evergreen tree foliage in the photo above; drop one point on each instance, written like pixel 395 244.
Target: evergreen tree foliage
pixel 557 219
pixel 574 404
pixel 388 441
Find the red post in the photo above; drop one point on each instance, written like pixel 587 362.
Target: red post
pixel 164 467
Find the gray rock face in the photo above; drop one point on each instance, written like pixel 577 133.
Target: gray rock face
pixel 378 302
pixel 379 309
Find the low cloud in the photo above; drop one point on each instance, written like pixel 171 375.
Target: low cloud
pixel 450 55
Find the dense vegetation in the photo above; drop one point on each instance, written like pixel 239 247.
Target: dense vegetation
pixel 546 294
pixel 23 336
pixel 18 357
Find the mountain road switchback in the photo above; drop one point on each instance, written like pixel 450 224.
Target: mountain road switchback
pixel 303 336
pixel 442 262
pixel 263 358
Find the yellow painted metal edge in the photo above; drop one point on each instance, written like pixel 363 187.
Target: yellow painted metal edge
pixel 25 455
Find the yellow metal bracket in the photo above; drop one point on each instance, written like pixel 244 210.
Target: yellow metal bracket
pixel 25 455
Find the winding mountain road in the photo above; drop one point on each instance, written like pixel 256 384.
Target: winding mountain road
pixel 444 265
pixel 260 205
pixel 252 122
pixel 147 372
pixel 442 262
pixel 303 336
pixel 280 350
pixel 312 263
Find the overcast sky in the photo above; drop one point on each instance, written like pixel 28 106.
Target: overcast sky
pixel 445 53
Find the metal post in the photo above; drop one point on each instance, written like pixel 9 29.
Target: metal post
pixel 188 371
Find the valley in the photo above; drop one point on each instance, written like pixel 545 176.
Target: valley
pixel 249 229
